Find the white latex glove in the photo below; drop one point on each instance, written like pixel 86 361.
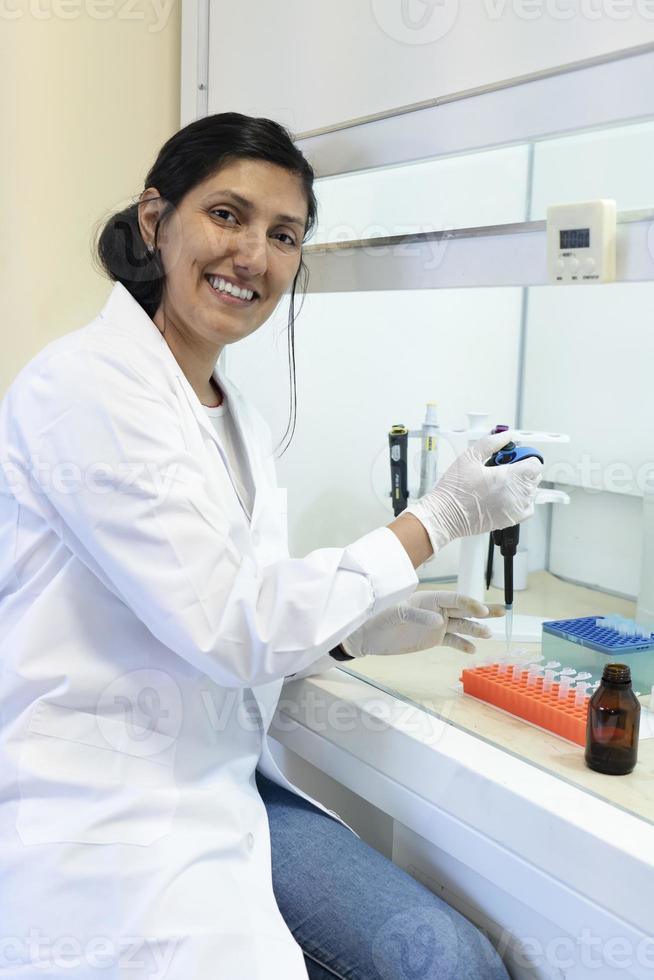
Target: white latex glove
pixel 425 620
pixel 471 498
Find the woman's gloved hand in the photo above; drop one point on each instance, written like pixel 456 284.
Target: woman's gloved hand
pixel 472 498
pixel 425 620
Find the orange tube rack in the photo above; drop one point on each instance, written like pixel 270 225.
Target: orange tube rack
pixel 533 704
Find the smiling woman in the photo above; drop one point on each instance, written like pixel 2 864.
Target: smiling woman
pixel 150 613
pixel 248 249
pixel 229 199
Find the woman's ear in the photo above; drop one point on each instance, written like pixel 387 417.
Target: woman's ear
pixel 149 211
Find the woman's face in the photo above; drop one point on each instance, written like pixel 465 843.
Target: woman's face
pixel 244 224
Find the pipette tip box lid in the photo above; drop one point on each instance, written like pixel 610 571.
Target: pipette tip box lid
pixel 584 643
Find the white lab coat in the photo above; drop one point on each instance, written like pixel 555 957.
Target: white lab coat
pixel 146 627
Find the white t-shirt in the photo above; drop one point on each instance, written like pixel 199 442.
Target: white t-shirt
pixel 223 422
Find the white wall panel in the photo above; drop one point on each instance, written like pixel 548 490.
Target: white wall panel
pixel 590 352
pixel 364 363
pixel 596 539
pixel 312 65
pixel 486 188
pixel 588 367
pixel 614 163
pixel 589 360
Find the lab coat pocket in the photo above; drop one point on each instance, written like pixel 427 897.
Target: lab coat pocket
pixel 81 780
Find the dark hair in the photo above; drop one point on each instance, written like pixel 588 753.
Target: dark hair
pixel 189 157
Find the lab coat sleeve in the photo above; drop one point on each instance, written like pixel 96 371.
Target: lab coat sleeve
pixel 109 469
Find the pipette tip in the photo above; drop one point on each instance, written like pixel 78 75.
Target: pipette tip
pixel 508 624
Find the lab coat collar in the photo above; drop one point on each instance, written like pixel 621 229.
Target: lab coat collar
pixel 124 312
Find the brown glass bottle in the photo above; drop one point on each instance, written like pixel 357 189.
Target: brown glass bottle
pixel 613 722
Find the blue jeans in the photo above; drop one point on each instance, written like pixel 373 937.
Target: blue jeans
pixel 355 914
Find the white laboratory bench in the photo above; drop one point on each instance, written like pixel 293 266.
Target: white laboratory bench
pixel 499 818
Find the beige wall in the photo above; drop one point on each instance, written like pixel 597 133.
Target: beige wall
pixel 85 104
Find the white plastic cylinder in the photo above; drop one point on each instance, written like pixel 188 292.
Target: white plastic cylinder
pixel 478 424
pixel 472 564
pixel 429 449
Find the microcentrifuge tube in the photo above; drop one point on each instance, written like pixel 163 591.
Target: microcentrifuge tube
pixel 521 665
pixel 580 693
pixel 549 679
pixel 565 680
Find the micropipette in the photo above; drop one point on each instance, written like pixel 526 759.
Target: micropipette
pixel 397 444
pixel 507 538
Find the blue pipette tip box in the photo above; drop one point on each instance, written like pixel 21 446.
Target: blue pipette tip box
pixel 587 633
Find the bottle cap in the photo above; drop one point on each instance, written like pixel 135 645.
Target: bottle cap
pixel 617 674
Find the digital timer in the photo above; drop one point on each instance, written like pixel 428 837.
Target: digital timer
pixel 581 242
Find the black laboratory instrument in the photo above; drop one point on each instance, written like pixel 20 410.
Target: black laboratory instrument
pixel 397 443
pixel 507 539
